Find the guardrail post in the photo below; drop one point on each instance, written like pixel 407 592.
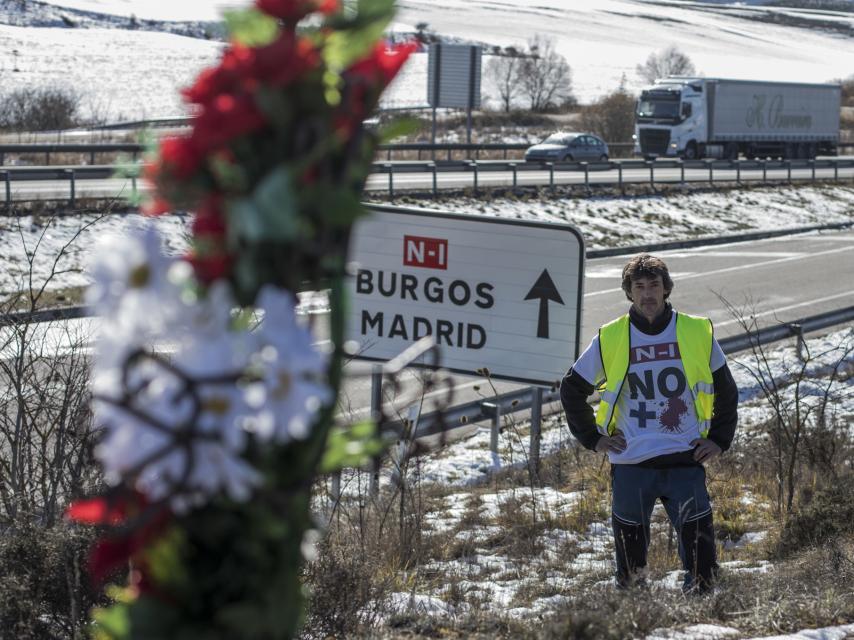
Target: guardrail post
pixel 551 166
pixel 738 172
pixel 376 411
pixel 682 173
pixel 435 185
pixel 513 168
pixel 620 178
pixel 536 430
pixel 92 158
pixel 798 331
pixel 765 171
pixel 493 409
pixel 652 175
pixel 474 166
pixel 712 173
pixel 390 169
pixel 835 170
pixel 586 167
pixel 47 158
pixel 73 185
pixel 789 170
pixel 812 163
pixel 8 180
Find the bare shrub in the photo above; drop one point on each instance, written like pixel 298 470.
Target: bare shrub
pixel 503 71
pixel 39 109
pixel 46 434
pixel 611 117
pixel 808 439
pixel 545 76
pixel 826 517
pixel 44 589
pixel 667 62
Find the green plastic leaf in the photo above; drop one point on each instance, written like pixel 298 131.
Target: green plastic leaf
pixel 399 128
pixel 270 215
pixel 251 27
pixel 351 446
pixel 356 34
pixel 111 623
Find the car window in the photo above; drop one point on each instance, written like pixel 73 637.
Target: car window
pixel 596 141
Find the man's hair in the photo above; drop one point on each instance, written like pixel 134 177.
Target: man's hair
pixel 646 266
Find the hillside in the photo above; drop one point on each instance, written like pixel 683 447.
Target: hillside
pixel 136 73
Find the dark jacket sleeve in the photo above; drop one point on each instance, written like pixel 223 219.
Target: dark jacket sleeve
pixel 574 391
pixel 725 417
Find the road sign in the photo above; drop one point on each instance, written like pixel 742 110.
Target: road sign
pixel 453 76
pixel 494 293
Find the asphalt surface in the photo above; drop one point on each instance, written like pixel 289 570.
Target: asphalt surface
pixel 121 188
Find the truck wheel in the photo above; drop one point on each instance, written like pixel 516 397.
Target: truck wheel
pixel 691 151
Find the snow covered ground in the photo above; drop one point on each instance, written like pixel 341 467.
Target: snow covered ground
pixel 603 221
pixel 131 74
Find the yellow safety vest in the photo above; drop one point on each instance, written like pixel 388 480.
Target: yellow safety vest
pixel 694 337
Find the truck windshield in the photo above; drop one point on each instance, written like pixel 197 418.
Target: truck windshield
pixel 668 109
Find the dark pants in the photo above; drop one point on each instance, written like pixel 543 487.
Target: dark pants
pixel 682 491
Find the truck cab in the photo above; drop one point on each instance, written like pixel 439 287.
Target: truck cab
pixel 671 119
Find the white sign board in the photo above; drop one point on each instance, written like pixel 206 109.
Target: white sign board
pixel 497 293
pixel 453 76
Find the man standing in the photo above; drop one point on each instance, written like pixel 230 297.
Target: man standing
pixel 668 404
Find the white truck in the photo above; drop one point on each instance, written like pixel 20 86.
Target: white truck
pixel 693 118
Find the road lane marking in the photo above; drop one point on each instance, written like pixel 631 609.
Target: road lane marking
pixel 737 268
pixel 791 306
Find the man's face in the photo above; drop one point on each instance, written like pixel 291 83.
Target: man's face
pixel 648 296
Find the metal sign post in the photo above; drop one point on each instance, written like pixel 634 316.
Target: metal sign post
pixel 498 295
pixel 453 80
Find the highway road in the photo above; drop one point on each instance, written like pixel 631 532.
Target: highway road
pixel 776 280
pixel 779 279
pixel 486 177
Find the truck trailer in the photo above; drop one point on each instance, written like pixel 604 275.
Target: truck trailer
pixel 694 118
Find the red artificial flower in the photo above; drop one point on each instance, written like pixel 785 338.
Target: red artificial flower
pixel 292 11
pixel 381 65
pixel 114 551
pixel 225 118
pixel 226 77
pixel 98 511
pixel 211 267
pixel 156 206
pixel 242 68
pixel 180 156
pixel 285 60
pixel 209 221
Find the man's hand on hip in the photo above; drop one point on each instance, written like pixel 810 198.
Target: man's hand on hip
pixel 613 444
pixel 705 450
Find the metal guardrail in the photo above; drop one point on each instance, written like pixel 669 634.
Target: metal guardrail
pixel 708 167
pixel 475 168
pixel 83 148
pixel 523 399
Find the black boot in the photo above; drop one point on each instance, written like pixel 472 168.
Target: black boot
pixel 699 556
pixel 630 542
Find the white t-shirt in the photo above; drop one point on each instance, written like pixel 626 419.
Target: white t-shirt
pixel 655 409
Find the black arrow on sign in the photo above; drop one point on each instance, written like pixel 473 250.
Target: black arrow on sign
pixel 544 289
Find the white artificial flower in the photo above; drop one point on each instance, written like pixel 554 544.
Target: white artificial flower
pixel 293 386
pixel 147 406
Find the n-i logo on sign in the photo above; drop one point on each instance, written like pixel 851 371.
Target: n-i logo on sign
pixel 430 253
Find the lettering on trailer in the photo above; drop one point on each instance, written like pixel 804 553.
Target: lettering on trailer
pixel 772 116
